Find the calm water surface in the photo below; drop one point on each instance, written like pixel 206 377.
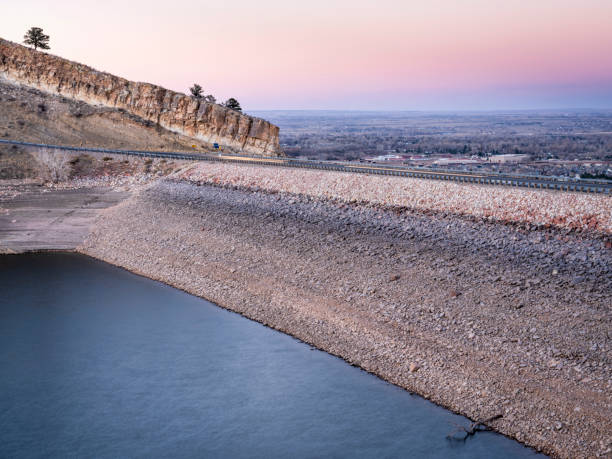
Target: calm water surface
pixel 98 362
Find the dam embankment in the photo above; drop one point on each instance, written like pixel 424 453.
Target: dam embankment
pixel 482 318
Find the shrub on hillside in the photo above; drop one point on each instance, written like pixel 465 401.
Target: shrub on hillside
pixel 52 166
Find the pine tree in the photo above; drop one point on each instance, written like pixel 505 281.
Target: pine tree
pixel 196 91
pixel 35 37
pixel 233 104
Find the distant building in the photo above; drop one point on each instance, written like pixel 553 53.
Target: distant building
pixel 510 158
pixel 388 157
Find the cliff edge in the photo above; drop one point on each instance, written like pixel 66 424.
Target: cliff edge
pixel 174 111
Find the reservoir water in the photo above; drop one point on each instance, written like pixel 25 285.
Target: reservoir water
pixel 98 362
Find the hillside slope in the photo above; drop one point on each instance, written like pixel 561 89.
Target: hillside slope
pixel 31 115
pixel 185 115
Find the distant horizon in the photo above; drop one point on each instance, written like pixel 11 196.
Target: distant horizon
pixel 399 110
pixel 344 55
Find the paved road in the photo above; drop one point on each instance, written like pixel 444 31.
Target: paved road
pixel 526 181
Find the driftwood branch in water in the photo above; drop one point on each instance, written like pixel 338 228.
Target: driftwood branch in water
pixel 474 427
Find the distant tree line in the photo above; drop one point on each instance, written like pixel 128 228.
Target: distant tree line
pixel 341 145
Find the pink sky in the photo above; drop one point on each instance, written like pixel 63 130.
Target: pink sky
pixel 340 54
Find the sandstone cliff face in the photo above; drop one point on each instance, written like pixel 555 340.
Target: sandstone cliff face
pixel 171 110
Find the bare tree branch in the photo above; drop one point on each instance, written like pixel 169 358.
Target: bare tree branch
pixel 478 426
pixel 53 166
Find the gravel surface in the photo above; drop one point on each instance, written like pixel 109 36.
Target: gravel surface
pixel 35 217
pixel 481 317
pixel 562 209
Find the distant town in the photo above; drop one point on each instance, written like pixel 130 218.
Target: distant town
pixel 570 144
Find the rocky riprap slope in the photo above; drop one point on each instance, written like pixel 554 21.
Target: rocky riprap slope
pixel 481 317
pixel 171 110
pixel 573 211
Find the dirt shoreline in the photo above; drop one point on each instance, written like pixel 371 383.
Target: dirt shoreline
pixel 482 319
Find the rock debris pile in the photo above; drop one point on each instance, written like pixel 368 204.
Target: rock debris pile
pixel 561 209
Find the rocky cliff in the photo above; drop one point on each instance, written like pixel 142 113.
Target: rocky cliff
pixel 171 110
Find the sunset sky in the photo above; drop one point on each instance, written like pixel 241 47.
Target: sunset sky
pixel 343 54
